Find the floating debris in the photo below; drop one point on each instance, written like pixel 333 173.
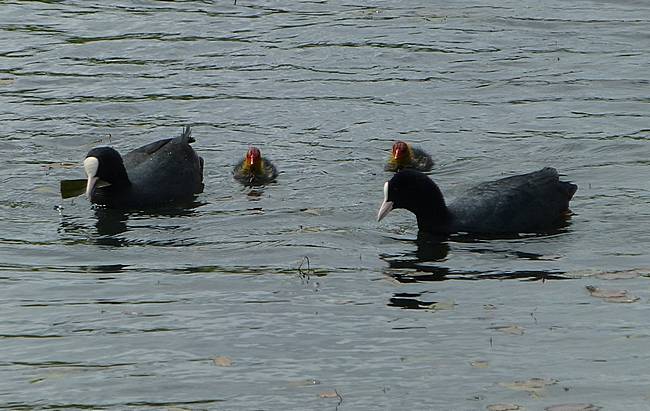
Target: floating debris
pixel 304 383
pixel 509 329
pixel 328 394
pixel 222 361
pixel 331 394
pixel 611 296
pixel 441 306
pixel 72 188
pixel 610 275
pixel 624 274
pixel 311 211
pixel 573 407
pixel 534 386
pixel 65 165
pixel 549 257
pixel 479 364
pixel 504 407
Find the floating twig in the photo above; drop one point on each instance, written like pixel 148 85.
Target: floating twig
pixel 306 274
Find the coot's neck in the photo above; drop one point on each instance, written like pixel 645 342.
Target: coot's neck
pixel 119 178
pixel 111 195
pixel 435 223
pixel 119 183
pixel 432 213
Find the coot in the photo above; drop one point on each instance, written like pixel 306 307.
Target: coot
pixel 155 175
pixel 255 170
pixel 403 156
pixel 524 203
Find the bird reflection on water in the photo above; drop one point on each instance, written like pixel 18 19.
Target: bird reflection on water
pixel 110 224
pixel 107 226
pixel 424 263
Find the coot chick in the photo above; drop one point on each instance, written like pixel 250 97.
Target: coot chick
pixel 255 170
pixel 404 156
pixel 525 203
pixel 156 175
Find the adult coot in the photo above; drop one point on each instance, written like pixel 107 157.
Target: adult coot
pixel 405 156
pixel 155 175
pixel 255 170
pixel 530 202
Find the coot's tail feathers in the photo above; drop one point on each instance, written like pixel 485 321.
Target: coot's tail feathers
pixel 569 188
pixel 186 136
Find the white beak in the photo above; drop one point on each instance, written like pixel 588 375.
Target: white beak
pixel 91 165
pixel 386 206
pixel 92 181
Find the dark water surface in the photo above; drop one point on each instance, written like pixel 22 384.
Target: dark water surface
pixel 114 311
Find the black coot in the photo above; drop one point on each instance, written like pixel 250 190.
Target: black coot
pixel 156 175
pixel 404 155
pixel 525 203
pixel 255 170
